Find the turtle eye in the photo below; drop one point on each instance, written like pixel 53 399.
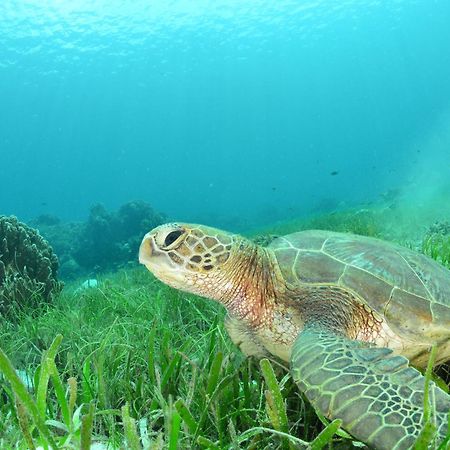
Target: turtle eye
pixel 172 237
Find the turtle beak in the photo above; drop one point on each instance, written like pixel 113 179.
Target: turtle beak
pixel 146 250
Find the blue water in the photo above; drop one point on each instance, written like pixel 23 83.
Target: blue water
pixel 217 111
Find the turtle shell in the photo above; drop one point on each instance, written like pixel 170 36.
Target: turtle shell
pixel 409 290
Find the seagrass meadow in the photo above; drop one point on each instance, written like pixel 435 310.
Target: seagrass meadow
pixel 134 364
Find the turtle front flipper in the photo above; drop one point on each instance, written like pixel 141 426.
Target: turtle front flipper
pixel 379 399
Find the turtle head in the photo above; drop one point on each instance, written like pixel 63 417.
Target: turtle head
pixel 212 263
pixel 188 257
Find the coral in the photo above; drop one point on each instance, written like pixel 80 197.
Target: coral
pixel 108 240
pixel 111 239
pixel 28 267
pixel 64 238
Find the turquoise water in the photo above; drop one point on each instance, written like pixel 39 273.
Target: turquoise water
pixel 226 112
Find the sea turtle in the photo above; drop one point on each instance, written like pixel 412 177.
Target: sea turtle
pixel 346 311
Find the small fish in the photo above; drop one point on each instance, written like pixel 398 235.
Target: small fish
pixel 335 172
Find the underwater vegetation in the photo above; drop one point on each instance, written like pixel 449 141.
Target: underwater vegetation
pixel 135 364
pixel 436 242
pixel 363 221
pixel 143 364
pixel 28 267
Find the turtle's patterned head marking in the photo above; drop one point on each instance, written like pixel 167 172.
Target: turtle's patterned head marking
pixel 186 256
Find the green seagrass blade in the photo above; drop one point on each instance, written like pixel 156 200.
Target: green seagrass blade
pixel 379 399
